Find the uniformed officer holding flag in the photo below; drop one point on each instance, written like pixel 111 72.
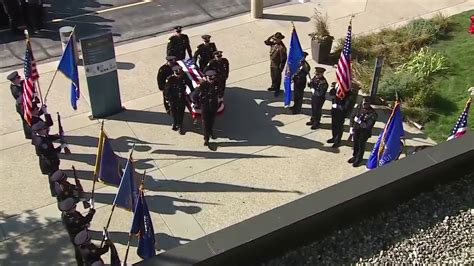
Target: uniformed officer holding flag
pixel 362 122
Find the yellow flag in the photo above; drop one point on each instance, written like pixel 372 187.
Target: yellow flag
pixel 100 145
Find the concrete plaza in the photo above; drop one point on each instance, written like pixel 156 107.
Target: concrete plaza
pixel 263 156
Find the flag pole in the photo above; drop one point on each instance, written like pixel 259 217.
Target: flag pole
pixel 129 234
pixel 56 71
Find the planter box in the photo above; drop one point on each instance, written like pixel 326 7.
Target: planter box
pixel 320 50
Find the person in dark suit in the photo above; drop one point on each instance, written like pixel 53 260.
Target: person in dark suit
pixel 208 99
pixel 164 72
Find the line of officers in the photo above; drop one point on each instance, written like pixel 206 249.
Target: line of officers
pixel 362 118
pixel 173 82
pixel 67 194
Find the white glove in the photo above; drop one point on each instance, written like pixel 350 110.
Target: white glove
pixel 312 90
pixel 351 131
pixel 45 109
pixel 91 202
pixel 357 120
pixel 104 234
pixel 63 146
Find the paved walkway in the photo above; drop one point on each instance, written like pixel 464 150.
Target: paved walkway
pixel 263 158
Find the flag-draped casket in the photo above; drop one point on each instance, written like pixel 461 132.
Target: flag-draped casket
pixel 196 77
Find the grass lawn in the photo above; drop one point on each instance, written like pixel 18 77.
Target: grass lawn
pixel 452 85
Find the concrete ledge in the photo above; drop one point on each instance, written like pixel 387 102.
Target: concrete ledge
pixel 298 222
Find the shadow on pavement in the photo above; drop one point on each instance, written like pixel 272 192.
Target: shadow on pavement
pixel 286 17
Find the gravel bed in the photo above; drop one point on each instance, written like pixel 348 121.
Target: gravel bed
pixel 433 228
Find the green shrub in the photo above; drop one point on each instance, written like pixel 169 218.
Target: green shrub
pixel 424 63
pixel 422 27
pixel 403 83
pixel 417 114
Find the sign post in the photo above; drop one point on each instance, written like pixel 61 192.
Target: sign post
pixel 375 78
pixel 101 72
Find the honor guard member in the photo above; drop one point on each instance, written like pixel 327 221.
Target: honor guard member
pixel 319 87
pixel 74 223
pixel 178 44
pixel 63 188
pixel 47 153
pixel 338 115
pixel 90 252
pixel 163 73
pixel 362 122
pixel 221 66
pixel 277 60
pixel 204 52
pixel 299 81
pixel 175 91
pixel 16 86
pixel 16 89
pixel 208 98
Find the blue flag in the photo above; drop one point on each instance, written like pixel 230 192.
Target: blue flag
pixel 294 57
pixel 388 145
pixel 68 66
pixel 142 226
pixel 109 168
pixel 127 192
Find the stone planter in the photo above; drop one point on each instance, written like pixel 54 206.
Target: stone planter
pixel 320 50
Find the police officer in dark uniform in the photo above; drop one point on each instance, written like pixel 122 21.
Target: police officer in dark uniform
pixel 205 52
pixel 163 73
pixel 362 121
pixel 175 92
pixel 277 60
pixel 16 89
pixel 208 98
pixel 178 44
pixel 16 86
pixel 63 188
pixel 74 222
pixel 90 252
pixel 338 115
pixel 319 87
pixel 221 66
pixel 299 83
pixel 47 153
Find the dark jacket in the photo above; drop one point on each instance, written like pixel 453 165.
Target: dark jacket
pixel 178 45
pixel 163 73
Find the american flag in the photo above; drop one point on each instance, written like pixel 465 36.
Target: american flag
pixel 461 125
pixel 343 71
pixel 31 75
pixel 196 76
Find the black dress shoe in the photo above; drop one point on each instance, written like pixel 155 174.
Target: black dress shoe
pixel 213 136
pixel 356 164
pixel 270 89
pixel 330 141
pixel 351 160
pixel 335 145
pixel 315 126
pixel 175 128
pixel 277 93
pixel 310 123
pixel 181 132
